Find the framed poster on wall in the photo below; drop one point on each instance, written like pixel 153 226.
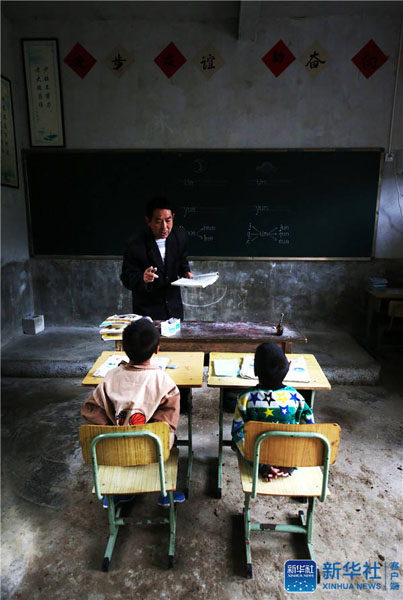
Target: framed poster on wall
pixel 44 99
pixel 9 165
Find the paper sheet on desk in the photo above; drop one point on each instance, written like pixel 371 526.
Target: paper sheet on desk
pixel 115 359
pixel 110 363
pixel 298 371
pixel 197 281
pixel 248 367
pixel 226 367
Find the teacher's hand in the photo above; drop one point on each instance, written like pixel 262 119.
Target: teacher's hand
pixel 189 275
pixel 150 274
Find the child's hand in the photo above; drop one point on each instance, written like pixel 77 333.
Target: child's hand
pixel 268 472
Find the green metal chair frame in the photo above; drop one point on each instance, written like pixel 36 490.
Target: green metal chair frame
pixel 305 526
pixel 115 520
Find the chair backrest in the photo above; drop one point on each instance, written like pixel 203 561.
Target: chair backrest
pixel 292 451
pixel 124 451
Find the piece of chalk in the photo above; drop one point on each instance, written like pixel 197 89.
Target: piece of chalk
pixel 172 367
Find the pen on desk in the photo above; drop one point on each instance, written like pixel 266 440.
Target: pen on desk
pixel 280 328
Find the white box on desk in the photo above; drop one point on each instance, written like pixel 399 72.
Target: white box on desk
pixel 33 324
pixel 170 327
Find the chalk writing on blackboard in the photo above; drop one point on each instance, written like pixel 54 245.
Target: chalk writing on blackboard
pixel 261 182
pixel 267 168
pixel 192 210
pixel 191 183
pixel 279 234
pixel 189 210
pixel 205 234
pixel 264 208
pixel 199 165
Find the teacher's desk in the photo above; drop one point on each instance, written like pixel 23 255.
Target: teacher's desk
pixel 231 336
pixel 376 298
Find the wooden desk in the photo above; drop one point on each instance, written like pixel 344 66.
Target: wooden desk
pixel 375 300
pixel 318 381
pixel 189 374
pixel 231 336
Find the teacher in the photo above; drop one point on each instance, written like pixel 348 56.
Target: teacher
pixel 153 259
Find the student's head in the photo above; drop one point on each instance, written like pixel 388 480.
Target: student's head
pixel 160 217
pixel 271 365
pixel 140 340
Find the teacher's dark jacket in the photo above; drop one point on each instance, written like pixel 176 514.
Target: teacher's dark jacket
pixel 159 299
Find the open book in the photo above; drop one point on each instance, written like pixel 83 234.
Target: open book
pixel 248 367
pixel 298 370
pixel 197 281
pixel 115 359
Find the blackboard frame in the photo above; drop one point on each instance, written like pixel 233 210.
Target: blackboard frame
pixel 32 152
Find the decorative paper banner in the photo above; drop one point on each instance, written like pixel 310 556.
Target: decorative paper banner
pixel 315 59
pixel 278 58
pixel 80 60
pixel 9 167
pixel 369 59
pixel 170 60
pixel 118 61
pixel 44 97
pixel 209 61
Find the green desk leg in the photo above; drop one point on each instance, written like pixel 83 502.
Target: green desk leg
pixel 190 444
pixel 312 398
pixel 220 442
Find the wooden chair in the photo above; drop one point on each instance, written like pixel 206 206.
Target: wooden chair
pixel 307 447
pixel 131 460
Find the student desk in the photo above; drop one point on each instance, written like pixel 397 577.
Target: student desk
pixel 231 336
pixel 189 374
pixel 375 300
pixel 318 381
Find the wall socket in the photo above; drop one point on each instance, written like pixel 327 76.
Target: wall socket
pixel 389 156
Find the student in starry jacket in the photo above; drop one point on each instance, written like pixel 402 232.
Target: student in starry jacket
pixel 270 401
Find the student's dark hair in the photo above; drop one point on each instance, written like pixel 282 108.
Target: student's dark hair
pixel 158 202
pixel 140 340
pixel 271 366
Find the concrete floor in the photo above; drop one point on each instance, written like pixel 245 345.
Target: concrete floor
pixel 54 531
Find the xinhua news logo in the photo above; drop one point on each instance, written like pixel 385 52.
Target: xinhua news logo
pixel 300 576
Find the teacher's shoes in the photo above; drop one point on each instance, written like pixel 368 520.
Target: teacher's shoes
pixel 178 498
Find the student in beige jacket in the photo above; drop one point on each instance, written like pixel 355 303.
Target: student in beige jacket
pixel 136 392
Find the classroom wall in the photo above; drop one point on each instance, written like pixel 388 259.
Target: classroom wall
pixel 242 106
pixel 311 293
pixel 16 278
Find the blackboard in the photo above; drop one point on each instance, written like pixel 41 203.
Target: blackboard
pixel 248 203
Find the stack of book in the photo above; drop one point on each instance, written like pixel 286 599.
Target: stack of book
pixel 112 328
pixel 377 283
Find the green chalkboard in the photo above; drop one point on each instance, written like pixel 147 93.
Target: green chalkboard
pixel 248 203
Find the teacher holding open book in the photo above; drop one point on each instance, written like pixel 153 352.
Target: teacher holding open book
pixel 154 259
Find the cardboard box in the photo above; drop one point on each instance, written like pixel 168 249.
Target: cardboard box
pixel 170 327
pixel 33 324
